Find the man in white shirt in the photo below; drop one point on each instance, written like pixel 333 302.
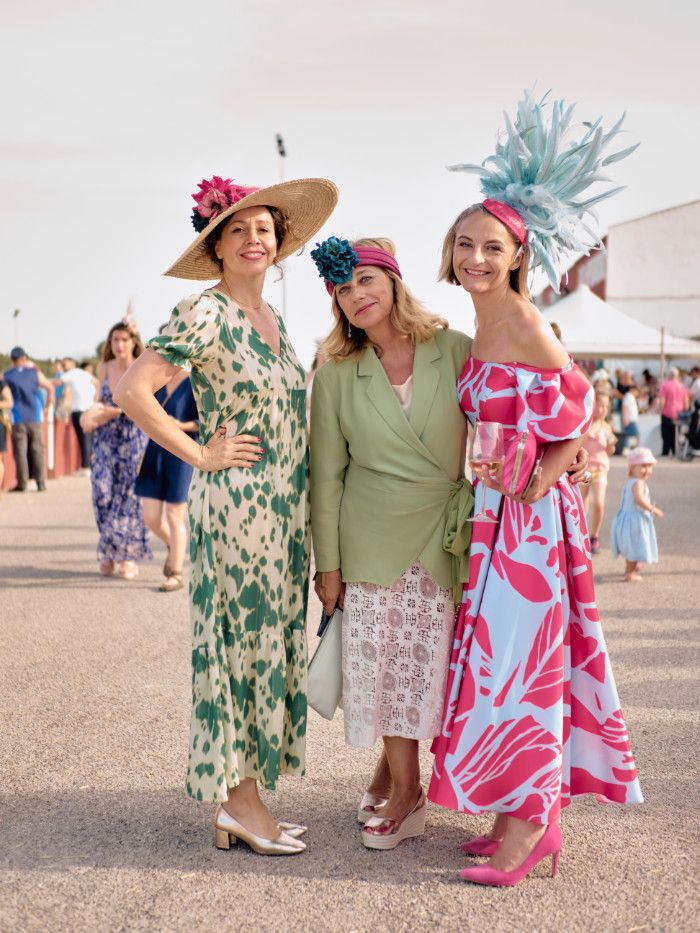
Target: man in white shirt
pixel 80 393
pixel 629 415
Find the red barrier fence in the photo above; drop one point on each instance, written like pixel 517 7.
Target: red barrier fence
pixel 62 453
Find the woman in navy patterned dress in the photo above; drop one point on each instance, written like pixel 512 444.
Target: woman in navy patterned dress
pixel 164 480
pixel 118 447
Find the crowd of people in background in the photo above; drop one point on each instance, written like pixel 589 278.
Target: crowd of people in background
pixel 139 487
pixel 676 400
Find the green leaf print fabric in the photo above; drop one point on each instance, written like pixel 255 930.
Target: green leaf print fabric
pixel 249 540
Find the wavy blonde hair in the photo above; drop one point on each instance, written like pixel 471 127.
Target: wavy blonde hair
pixel 408 315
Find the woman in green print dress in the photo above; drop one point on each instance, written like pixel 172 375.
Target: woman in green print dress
pixel 247 502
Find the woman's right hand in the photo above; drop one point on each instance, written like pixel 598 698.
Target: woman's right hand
pixel 222 453
pixel 330 590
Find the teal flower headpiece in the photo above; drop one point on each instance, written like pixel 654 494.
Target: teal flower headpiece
pixel 540 177
pixel 335 259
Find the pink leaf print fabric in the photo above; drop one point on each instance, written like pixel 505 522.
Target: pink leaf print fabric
pixel 532 717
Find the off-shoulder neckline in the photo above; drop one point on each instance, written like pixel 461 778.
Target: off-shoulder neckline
pixel 534 369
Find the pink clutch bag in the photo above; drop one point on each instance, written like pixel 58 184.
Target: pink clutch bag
pixel 519 463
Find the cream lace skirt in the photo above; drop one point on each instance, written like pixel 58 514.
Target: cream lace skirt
pixel 396 649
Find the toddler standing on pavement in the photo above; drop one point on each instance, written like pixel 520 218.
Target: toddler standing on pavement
pixel 600 443
pixel 633 534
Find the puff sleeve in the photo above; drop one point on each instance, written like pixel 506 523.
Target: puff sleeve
pixel 190 337
pixel 557 405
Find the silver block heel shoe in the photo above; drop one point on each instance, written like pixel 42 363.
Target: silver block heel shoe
pixel 295 830
pixel 228 831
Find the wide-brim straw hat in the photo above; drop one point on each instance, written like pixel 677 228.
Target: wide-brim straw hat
pixel 306 202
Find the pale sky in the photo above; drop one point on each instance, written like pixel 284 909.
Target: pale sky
pixel 114 111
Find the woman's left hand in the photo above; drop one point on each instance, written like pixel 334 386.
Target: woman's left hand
pixel 578 471
pixel 540 483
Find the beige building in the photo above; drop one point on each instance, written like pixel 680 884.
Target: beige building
pixel 650 270
pixel 653 269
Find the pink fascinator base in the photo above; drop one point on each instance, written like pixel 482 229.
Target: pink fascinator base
pixel 509 218
pixel 371 256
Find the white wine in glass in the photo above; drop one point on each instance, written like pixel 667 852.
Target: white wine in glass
pixel 487 451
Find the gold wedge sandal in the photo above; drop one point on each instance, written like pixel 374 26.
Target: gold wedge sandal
pixel 386 833
pixel 369 806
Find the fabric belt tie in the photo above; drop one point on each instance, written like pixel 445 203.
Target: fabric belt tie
pixel 458 534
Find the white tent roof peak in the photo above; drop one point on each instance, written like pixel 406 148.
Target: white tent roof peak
pixel 591 327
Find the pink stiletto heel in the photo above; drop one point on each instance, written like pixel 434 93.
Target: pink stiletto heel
pixel 481 845
pixel 549 844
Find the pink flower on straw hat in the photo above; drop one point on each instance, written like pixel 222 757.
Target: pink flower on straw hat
pixel 214 197
pixel 212 203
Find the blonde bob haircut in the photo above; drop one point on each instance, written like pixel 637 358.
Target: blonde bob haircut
pixel 446 273
pixel 407 315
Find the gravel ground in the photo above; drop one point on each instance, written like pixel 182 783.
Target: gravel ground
pixel 96 832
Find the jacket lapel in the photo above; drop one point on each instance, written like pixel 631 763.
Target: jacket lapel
pixel 382 395
pixel 425 383
pixel 384 399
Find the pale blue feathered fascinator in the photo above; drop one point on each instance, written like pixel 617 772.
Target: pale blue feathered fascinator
pixel 541 173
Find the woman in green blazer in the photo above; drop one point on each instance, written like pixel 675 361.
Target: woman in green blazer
pixel 389 509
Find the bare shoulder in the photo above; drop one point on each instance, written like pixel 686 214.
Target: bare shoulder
pixel 534 339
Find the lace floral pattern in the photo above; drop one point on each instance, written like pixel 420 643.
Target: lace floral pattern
pixel 396 644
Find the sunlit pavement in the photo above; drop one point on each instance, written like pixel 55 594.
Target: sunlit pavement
pixel 96 832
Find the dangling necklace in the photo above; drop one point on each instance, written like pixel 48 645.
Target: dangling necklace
pixel 256 309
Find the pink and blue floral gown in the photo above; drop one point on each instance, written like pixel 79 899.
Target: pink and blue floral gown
pixel 531 717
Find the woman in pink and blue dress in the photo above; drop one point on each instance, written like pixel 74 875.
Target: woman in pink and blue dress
pixel 532 716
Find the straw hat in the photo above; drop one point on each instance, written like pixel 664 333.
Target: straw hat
pixel 640 456
pixel 307 203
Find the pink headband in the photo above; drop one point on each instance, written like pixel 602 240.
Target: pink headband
pixel 371 256
pixel 508 217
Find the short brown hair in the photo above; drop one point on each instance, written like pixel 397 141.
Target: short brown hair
pixel 407 315
pixel 446 273
pixel 279 219
pixel 107 353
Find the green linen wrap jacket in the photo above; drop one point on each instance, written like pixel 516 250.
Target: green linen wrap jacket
pixel 387 490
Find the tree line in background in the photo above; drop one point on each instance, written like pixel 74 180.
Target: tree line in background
pixel 47 366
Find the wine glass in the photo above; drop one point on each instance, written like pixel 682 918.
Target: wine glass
pixel 487 451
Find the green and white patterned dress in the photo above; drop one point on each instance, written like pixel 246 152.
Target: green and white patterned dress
pixel 249 551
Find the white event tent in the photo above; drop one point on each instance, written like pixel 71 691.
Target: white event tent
pixel 591 328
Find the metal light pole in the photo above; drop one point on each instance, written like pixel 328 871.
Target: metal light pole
pixel 283 155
